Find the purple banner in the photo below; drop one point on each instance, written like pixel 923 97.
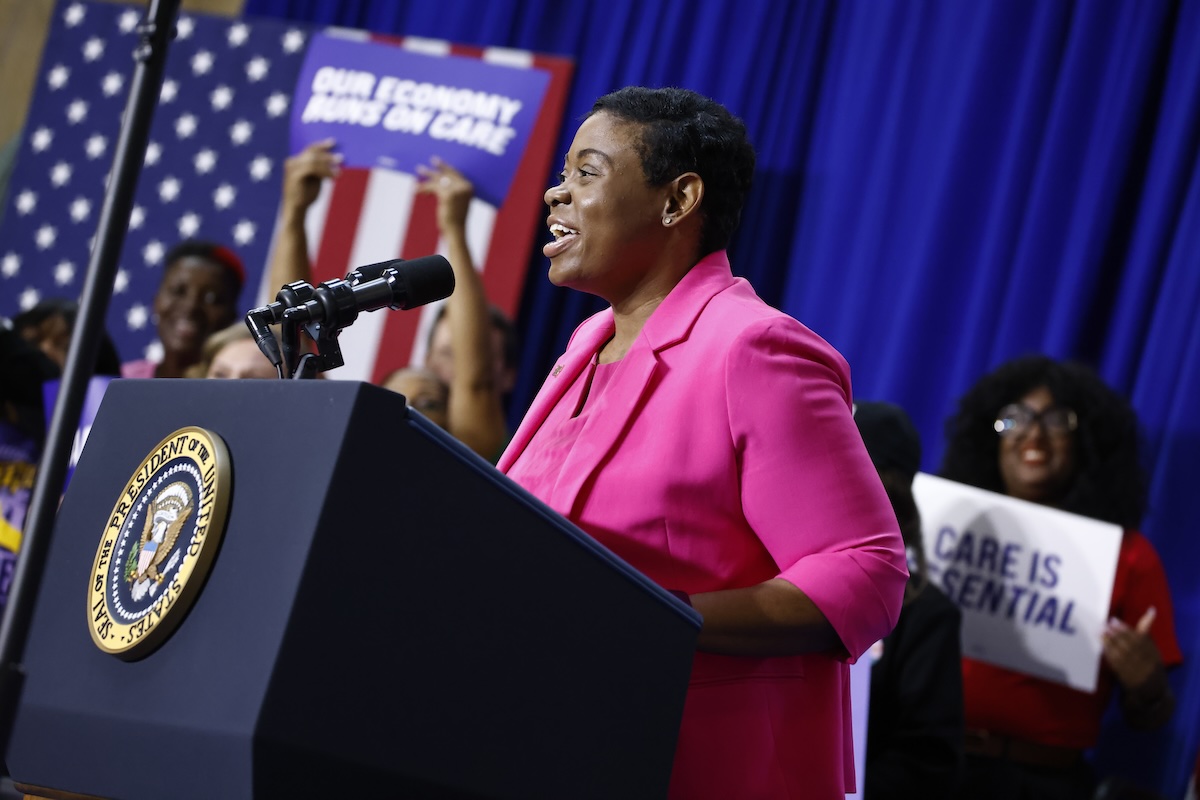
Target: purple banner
pixel 8 563
pixel 18 467
pixel 91 404
pixel 390 107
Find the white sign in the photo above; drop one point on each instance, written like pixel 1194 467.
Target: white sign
pixel 860 713
pixel 1033 582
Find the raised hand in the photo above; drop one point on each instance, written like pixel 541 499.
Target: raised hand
pixel 453 192
pixel 304 172
pixel 1130 651
pixel 1134 658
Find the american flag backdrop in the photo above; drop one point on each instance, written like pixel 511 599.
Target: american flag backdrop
pixel 213 170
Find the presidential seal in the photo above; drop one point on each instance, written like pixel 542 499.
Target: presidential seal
pixel 158 543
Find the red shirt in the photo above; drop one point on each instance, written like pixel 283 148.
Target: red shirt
pixel 1009 703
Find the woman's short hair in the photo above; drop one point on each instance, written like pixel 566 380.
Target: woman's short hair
pixel 1109 482
pixel 683 131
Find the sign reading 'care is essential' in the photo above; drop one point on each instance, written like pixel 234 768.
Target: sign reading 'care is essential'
pixel 1034 583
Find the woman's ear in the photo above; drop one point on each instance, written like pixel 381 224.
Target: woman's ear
pixel 683 197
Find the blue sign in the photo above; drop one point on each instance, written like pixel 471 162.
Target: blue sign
pixel 390 107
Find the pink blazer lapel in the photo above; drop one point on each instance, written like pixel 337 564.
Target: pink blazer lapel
pixel 614 409
pixel 583 344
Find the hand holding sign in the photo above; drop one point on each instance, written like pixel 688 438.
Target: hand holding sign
pixel 394 108
pixel 1033 582
pixel 452 190
pixel 304 172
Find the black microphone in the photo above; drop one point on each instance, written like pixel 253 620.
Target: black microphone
pixel 370 272
pixel 406 285
pixel 259 320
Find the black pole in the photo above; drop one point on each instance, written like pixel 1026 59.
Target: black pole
pixel 156 31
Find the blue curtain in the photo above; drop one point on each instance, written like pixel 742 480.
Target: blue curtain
pixel 942 185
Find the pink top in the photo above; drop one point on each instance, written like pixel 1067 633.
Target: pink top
pixel 539 469
pixel 139 369
pixel 723 453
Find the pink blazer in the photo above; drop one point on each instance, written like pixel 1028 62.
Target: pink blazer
pixel 721 454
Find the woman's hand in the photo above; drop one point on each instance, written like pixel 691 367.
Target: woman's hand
pixel 1130 652
pixel 302 177
pixel 1135 660
pixel 773 618
pixel 453 192
pixel 303 174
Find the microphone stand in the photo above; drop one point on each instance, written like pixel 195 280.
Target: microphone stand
pixel 324 336
pixel 156 29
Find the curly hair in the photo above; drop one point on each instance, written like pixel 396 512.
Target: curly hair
pixel 683 131
pixel 1109 482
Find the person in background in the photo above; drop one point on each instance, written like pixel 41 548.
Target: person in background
pixel 465 351
pixel 473 357
pixel 24 370
pixel 915 728
pixel 1051 432
pixel 196 298
pixel 232 353
pixel 707 439
pixel 505 349
pixel 424 391
pixel 49 325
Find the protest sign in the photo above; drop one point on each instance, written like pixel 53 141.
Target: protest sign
pixel 395 108
pixel 860 713
pixel 1033 582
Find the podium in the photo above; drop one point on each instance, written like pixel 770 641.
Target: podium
pixel 386 616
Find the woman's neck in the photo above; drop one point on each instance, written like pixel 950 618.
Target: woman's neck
pixel 631 312
pixel 629 321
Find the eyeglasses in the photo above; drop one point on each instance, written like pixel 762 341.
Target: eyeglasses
pixel 1016 419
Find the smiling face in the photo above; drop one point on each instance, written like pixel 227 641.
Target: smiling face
pixel 196 298
pixel 606 218
pixel 1038 464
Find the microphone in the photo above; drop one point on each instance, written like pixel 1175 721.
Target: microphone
pixel 259 320
pixel 370 272
pixel 401 286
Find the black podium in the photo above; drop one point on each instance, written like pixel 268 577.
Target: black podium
pixel 386 616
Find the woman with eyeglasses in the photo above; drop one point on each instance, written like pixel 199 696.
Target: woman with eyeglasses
pixel 1054 433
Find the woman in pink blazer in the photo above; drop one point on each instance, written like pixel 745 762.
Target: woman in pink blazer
pixel 708 440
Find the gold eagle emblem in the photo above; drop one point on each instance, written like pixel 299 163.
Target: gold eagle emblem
pixel 169 511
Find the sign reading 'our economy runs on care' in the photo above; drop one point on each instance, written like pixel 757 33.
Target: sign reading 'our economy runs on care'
pixel 1033 582
pixel 390 107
